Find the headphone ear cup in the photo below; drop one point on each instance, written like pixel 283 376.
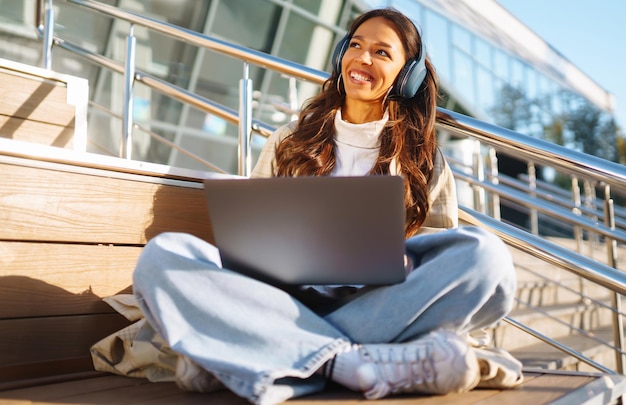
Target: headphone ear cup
pixel 338 53
pixel 410 78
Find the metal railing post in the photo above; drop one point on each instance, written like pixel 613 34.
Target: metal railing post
pixel 578 232
pixel 616 298
pixel 495 197
pixel 479 173
pixel 590 202
pixel 129 80
pixel 245 121
pixel 532 183
pixel 48 36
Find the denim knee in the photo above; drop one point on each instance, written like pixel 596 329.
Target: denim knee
pixel 490 251
pixel 494 261
pixel 178 250
pixel 152 257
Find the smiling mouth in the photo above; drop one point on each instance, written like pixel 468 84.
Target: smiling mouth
pixel 360 77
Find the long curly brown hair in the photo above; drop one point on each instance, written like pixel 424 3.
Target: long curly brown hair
pixel 409 137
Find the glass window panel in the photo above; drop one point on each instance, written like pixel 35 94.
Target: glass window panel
pixel 184 13
pixel 517 74
pixel 166 57
pixel 531 85
pixel 312 6
pixel 557 105
pixel 461 38
pixel 536 125
pixel 209 124
pixel 219 75
pixel 482 53
pixel 486 90
pixel 14 11
pixel 463 78
pixel 438 42
pixel 303 43
pixel 295 44
pixel 541 84
pixel 501 64
pixel 87 29
pixel 253 27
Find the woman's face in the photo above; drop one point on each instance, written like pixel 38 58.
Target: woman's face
pixel 372 61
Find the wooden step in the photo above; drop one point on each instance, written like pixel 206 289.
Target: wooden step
pixel 538 388
pixel 42 106
pixel 70 235
pixel 594 347
pixel 87 221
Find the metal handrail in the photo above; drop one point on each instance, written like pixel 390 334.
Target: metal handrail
pixel 552 253
pixel 558 345
pixel 544 206
pixel 567 160
pixel 525 147
pixel 550 188
pixel 558 197
pixel 166 88
pixel 161 139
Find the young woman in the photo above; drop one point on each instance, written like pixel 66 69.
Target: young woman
pixel 374 116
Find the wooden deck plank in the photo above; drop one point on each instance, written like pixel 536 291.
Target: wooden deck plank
pixel 43 372
pixel 537 389
pixel 36 109
pixel 35 131
pixel 52 392
pixel 38 207
pixel 543 389
pixel 138 393
pixel 34 98
pixel 52 341
pixel 57 280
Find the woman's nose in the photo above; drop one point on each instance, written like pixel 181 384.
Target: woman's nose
pixel 364 57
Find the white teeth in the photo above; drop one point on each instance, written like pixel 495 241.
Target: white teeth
pixel 360 77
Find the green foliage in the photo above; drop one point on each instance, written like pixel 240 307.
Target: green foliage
pixel 512 109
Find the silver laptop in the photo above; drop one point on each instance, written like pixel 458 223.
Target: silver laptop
pixel 310 230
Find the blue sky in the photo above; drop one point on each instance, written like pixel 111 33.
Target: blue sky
pixel 590 33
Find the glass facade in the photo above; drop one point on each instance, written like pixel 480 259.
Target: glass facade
pixel 482 74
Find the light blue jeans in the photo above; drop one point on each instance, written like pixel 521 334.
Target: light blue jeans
pixel 265 345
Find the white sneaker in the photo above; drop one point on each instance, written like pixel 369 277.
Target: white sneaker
pixel 191 377
pixel 438 363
